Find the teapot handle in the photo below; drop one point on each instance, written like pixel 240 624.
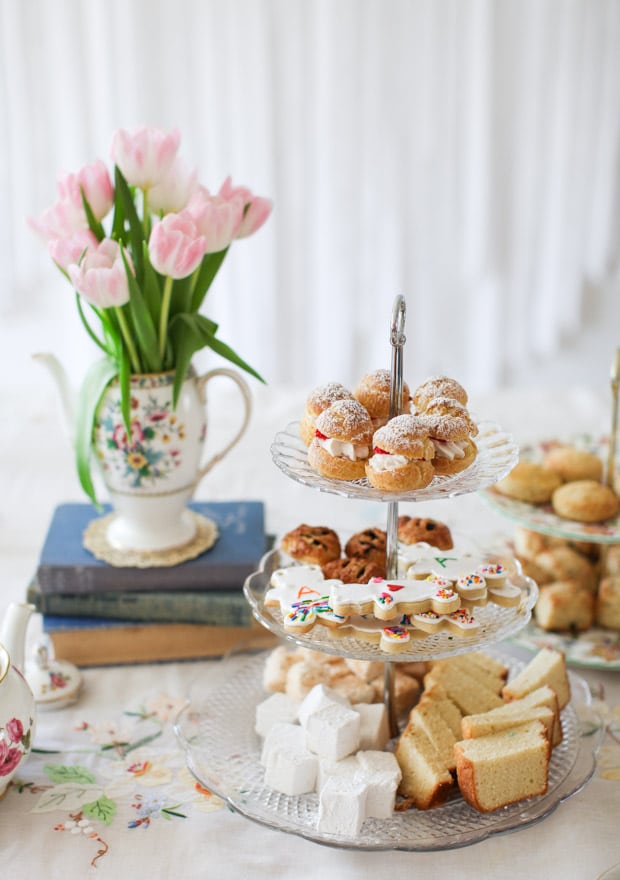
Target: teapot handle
pixel 201 383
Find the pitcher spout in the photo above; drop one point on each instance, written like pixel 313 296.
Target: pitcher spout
pixel 13 631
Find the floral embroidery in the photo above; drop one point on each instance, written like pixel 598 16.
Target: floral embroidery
pixel 134 775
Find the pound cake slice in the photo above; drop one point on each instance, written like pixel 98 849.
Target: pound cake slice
pixel 503 768
pixel 427 718
pixel 469 694
pixel 505 717
pixel 424 782
pixel 548 667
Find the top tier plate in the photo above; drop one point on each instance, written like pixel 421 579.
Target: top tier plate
pixel 497 455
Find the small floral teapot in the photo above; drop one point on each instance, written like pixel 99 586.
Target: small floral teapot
pixel 17 704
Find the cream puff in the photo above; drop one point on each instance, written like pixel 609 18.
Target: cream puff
pixel 317 401
pixel 342 441
pixel 438 386
pixel 402 455
pixel 452 429
pixel 373 392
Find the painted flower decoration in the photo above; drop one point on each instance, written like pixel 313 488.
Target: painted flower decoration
pixel 141 248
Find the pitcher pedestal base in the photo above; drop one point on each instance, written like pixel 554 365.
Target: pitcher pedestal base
pixel 202 535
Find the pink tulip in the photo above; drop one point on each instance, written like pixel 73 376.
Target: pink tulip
pixel 172 194
pixel 257 208
pixel 176 246
pixel 145 155
pixel 65 251
pixel 61 220
pixel 95 181
pixel 101 278
pixel 218 219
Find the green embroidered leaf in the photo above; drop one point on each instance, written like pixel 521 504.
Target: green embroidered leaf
pixel 68 796
pixel 68 773
pixel 102 809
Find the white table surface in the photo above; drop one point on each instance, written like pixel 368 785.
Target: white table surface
pixel 163 826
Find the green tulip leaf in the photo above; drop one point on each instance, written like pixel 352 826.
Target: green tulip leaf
pixel 206 273
pixel 136 236
pixel 95 382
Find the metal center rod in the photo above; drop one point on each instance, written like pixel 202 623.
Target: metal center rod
pixel 397 340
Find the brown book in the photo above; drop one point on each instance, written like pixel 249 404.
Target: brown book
pixel 87 642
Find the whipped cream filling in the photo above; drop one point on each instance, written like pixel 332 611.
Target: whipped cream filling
pixel 449 449
pixel 387 462
pixel 343 448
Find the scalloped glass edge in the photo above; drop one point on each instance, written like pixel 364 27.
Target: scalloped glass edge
pixel 587 732
pixel 497 455
pixel 508 622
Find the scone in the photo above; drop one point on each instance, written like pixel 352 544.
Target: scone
pixel 402 455
pixel 416 529
pixel 317 401
pixel 342 441
pixel 311 545
pixel 608 603
pixel 451 430
pixel 368 544
pixel 564 563
pixel 529 481
pixel 438 386
pixel 564 606
pixel 574 464
pixel 585 501
pixel 373 392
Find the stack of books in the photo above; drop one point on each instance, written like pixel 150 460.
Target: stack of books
pixel 95 613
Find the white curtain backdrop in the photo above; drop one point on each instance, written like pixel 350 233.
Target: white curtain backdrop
pixel 463 153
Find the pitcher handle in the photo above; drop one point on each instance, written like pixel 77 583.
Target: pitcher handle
pixel 201 383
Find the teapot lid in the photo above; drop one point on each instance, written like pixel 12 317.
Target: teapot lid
pixel 54 683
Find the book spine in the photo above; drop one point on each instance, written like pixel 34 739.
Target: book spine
pixel 211 608
pixel 80 579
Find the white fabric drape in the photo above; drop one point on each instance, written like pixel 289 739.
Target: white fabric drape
pixel 464 153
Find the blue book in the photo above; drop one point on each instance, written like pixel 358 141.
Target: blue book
pixel 65 566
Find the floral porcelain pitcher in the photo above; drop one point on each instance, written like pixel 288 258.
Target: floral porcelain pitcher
pixel 152 474
pixel 17 705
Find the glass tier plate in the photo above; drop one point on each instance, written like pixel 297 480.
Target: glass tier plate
pixel 496 623
pixel 541 517
pixel 497 455
pixel 223 752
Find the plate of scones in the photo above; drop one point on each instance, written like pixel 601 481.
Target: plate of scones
pixel 346 442
pixel 557 488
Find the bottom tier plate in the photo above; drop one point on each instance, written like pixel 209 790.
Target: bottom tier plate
pixel 223 752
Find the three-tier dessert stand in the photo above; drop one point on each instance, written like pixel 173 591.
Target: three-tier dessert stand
pixel 217 729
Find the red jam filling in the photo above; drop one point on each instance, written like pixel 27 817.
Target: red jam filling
pixel 318 434
pixel 378 451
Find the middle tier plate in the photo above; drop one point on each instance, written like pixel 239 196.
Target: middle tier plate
pixel 496 623
pixel 497 455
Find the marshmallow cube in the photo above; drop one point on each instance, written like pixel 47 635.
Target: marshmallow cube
pixel 316 699
pixel 382 774
pixel 291 773
pixel 348 767
pixel 333 732
pixel 289 766
pixel 282 736
pixel 276 708
pixel 374 725
pixel 342 806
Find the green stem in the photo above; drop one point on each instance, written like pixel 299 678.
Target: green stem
pixel 135 363
pixel 163 318
pixel 145 214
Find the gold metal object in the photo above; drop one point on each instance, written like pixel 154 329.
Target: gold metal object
pixel 615 386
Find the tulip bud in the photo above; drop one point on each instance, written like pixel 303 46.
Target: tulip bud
pixel 176 247
pixel 144 156
pixel 101 278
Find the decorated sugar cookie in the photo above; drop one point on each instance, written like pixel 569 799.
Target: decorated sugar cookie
pixel 302 594
pixel 387 599
pixel 460 622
